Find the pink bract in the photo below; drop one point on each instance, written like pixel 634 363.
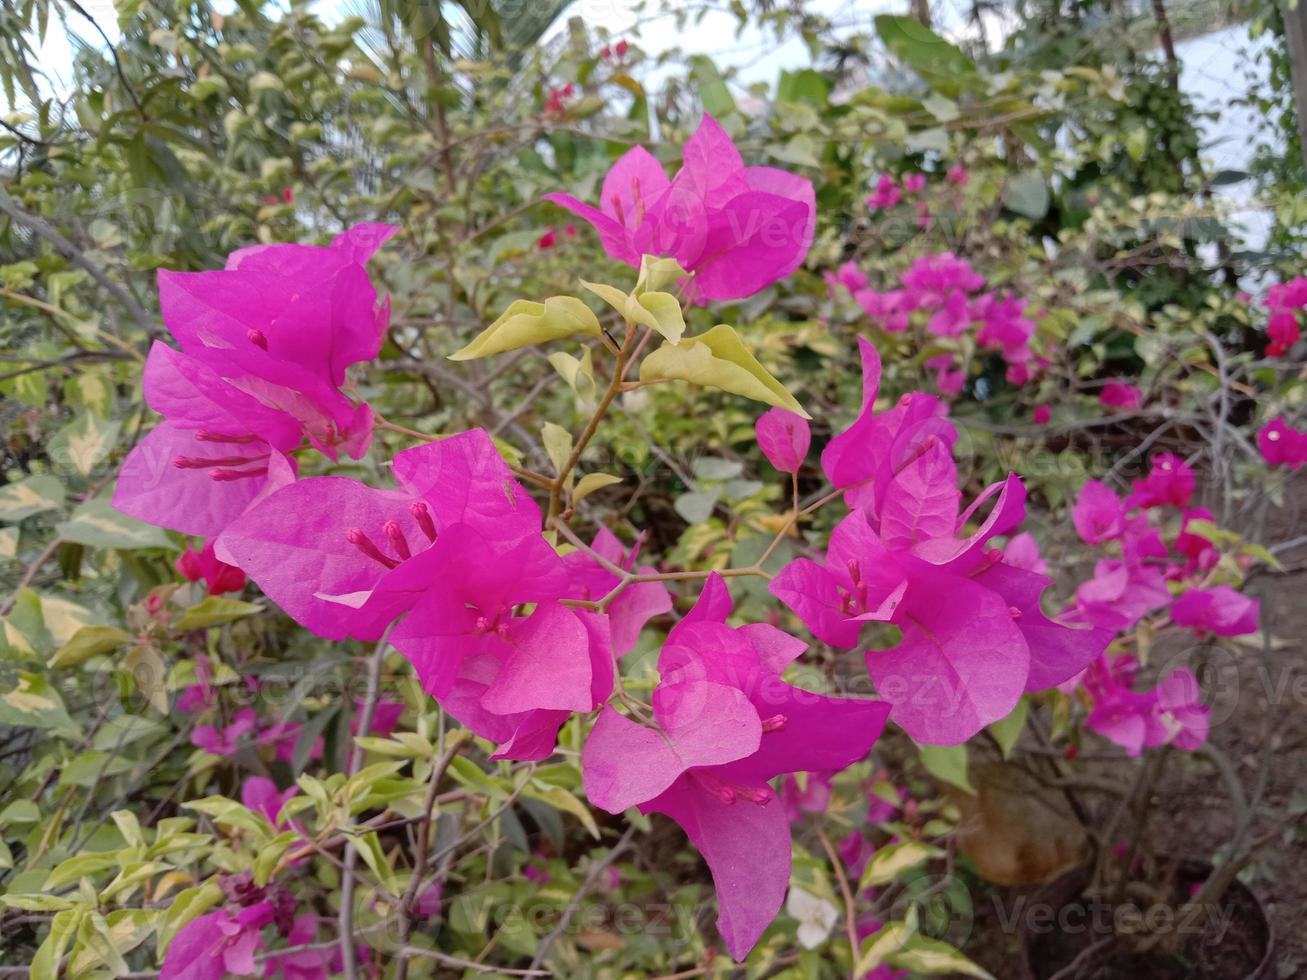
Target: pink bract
pixel 784 438
pixel 727 724
pixel 737 228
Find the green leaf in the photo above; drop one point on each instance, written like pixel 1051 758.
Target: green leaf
pixel 85 441
pixel 947 763
pixel 9 543
pixel 718 359
pixel 558 445
pixel 940 64
pixel 921 954
pixel 1007 730
pixel 892 860
pixel 886 941
pixel 1027 195
pixel 98 524
pixel 34 703
pixel 64 925
pixel 561 799
pixel 369 848
pixel 34 495
pixel 591 482
pixel 213 611
pixel 81 866
pixel 525 323
pixel 88 642
pixel 713 91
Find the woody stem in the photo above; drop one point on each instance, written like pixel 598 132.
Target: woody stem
pixel 624 356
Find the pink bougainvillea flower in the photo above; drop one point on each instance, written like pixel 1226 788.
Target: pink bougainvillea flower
pixel 1022 551
pixel 218 451
pixel 218 576
pixel 1170 481
pixel 344 559
pixel 1098 514
pixel 814 797
pixel 953 318
pixel 1220 610
pixel 282 323
pixel 1287 295
pixel 1170 714
pixel 890 310
pixel 1119 394
pixel 938 274
pixel 948 378
pixel 218 944
pixel 509 677
pixel 863 458
pixel 265 345
pixel 1121 593
pixel 974 636
pixel 635 606
pixel 727 724
pixel 302 964
pixel 914 183
pixel 1005 328
pixel 784 438
pixel 1283 332
pixel 385 716
pixel 1042 415
pixel 548 240
pixel 225 740
pixel 1281 444
pixel 886 195
pixel 201 695
pixel 259 794
pixel 957 174
pixel 848 275
pixel 738 229
pixel 284 737
pixel 1202 554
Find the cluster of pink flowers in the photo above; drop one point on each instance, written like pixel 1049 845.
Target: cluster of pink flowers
pixel 737 229
pixel 265 344
pixel 974 635
pixel 889 192
pixel 947 296
pixel 1284 300
pixel 1148 573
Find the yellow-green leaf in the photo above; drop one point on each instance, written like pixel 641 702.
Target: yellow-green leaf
pixel 892 860
pixel 85 441
pixel 31 496
pixel 718 359
pixel 591 482
pixel 88 642
pixel 885 942
pixel 657 274
pixel 660 312
pixel 64 925
pixel 558 444
pixel 921 954
pixel 561 799
pixel 525 323
pixel 215 610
